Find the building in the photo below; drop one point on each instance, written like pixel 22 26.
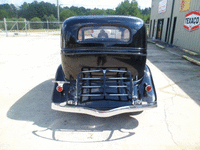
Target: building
pixel 176 22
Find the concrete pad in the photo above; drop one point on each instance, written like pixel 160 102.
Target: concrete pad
pixel 28 65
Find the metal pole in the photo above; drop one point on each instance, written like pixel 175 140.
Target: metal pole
pixel 58 10
pixel 25 26
pixel 17 27
pixel 5 26
pixel 48 26
pixel 28 23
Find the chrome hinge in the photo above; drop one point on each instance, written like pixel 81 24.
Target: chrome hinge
pixel 60 83
pixel 59 88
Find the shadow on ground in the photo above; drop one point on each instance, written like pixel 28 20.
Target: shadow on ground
pixel 35 106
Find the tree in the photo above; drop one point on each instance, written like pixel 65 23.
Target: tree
pixel 3 14
pixel 11 10
pixel 49 24
pixel 82 10
pixel 97 11
pixel 76 9
pixel 146 11
pixel 36 23
pixel 110 12
pixel 21 24
pixel 146 14
pixel 127 8
pixel 36 9
pixel 11 25
pixel 66 14
pixel 23 9
pixel 47 11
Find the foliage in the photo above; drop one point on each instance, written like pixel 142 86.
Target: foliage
pixel 66 13
pixel 47 11
pixel 8 11
pixel 3 14
pixel 37 23
pixel 128 8
pixel 146 11
pixel 36 9
pixel 21 24
pixel 50 19
pixel 146 14
pixel 146 18
pixel 14 24
pixel 110 12
pixel 97 11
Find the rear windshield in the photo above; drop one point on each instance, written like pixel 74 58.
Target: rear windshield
pixel 105 33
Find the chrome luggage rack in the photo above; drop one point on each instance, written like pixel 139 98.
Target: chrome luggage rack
pixel 112 84
pixel 103 92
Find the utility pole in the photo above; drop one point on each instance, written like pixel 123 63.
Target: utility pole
pixel 58 10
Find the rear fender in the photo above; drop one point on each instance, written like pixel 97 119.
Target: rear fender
pixel 149 97
pixel 59 97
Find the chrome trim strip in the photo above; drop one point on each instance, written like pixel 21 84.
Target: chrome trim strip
pixel 61 82
pixel 104 50
pixel 100 113
pixel 92 52
pixel 115 48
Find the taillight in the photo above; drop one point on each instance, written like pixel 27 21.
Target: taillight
pixel 59 88
pixel 148 88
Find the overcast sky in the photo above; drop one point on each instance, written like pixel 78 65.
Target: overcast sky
pixel 112 4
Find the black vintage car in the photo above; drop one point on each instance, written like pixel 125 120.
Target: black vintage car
pixel 103 70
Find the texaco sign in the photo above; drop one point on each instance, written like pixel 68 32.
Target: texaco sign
pixel 192 21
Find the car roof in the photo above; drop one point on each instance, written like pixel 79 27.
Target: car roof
pixel 130 21
pixel 118 17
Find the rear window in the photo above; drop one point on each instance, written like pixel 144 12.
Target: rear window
pixel 105 33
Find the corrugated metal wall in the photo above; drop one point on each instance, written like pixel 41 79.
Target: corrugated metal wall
pixel 182 37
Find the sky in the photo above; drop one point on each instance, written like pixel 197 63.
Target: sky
pixel 101 4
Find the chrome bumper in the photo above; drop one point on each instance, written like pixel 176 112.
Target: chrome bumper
pixel 100 113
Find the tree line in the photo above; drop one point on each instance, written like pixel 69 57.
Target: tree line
pixel 43 11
